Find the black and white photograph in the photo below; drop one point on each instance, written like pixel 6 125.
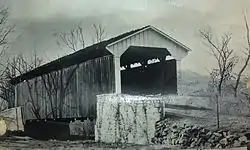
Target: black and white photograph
pixel 124 75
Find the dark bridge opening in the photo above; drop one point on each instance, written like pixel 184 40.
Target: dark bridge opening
pixel 145 70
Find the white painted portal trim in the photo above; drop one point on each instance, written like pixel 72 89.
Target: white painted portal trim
pixel 118 83
pixel 170 38
pixel 157 31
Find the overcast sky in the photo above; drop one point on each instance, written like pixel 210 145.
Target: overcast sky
pixel 37 20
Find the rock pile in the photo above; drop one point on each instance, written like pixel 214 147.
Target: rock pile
pixel 193 136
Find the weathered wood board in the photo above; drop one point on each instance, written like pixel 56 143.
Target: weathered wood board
pixel 67 93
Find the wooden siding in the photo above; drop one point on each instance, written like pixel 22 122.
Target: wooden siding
pixel 73 95
pixel 148 38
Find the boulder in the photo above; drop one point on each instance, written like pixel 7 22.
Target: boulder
pixel 224 142
pixel 243 140
pixel 13 119
pixel 3 127
pixel 3 104
pixel 236 143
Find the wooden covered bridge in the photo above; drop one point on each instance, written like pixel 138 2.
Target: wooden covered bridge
pixel 67 87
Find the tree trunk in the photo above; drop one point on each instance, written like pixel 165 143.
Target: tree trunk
pixel 218 97
pixel 235 91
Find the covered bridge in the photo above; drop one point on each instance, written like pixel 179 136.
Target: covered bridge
pixel 67 87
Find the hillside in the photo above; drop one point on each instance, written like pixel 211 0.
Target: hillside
pixel 192 82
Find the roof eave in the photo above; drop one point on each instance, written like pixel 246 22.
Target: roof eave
pixel 156 30
pixel 170 38
pixel 147 27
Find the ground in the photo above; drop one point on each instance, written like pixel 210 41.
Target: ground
pixel 26 143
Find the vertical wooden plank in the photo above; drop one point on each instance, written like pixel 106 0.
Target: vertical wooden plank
pixel 16 95
pixel 77 92
pixel 91 78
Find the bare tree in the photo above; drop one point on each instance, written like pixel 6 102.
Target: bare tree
pixel 19 65
pixel 22 66
pixel 59 81
pixel 247 53
pixel 225 60
pixel 51 83
pixel 5 28
pixel 100 33
pixel 5 33
pixel 6 91
pixel 73 39
pixel 56 83
pixel 68 75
